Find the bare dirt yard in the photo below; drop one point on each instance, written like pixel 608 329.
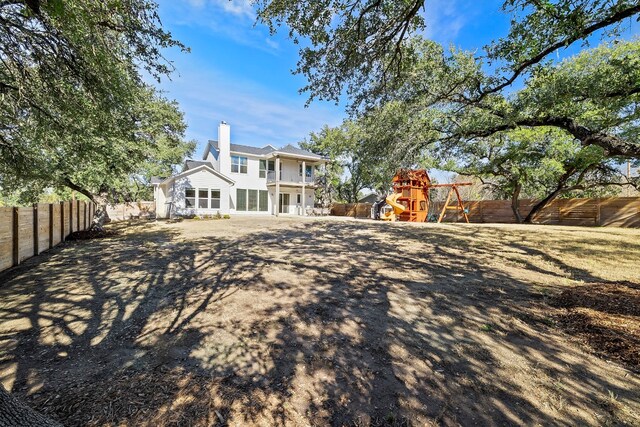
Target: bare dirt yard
pixel 265 321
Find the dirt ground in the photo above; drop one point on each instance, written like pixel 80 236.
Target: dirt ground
pixel 265 321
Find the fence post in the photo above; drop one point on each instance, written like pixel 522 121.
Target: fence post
pixel 61 221
pixel 71 217
pixel 16 241
pixel 50 225
pixel 77 215
pixel 35 229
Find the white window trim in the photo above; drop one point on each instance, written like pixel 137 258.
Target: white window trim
pixel 246 192
pixel 211 199
pixel 195 198
pixel 270 167
pixel 239 164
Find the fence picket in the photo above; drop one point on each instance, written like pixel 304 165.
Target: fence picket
pixel 28 231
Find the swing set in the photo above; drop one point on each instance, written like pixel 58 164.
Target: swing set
pixel 410 198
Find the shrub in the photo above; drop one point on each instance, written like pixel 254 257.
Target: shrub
pixel 227 216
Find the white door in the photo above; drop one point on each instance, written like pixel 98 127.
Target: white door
pixel 284 203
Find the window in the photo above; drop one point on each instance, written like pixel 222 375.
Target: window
pixel 253 200
pixel 263 169
pixel 308 169
pixel 238 164
pixel 241 199
pixel 190 197
pixel 203 198
pixel 215 199
pixel 299 198
pixel 266 165
pixel 264 201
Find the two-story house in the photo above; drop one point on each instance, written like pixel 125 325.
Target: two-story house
pixel 240 179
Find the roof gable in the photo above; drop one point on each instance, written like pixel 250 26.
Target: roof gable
pixel 203 165
pixel 192 164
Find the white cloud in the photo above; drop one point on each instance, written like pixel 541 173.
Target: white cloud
pixel 444 19
pixel 272 43
pixel 237 7
pixel 258 115
pixel 232 19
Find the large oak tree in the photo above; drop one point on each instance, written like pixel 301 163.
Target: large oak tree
pixel 369 49
pixel 74 109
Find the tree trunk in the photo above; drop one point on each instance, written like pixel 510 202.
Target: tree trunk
pixel 14 413
pixel 100 217
pixel 559 189
pixel 542 203
pixel 515 202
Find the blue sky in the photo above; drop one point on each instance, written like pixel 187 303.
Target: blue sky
pixel 237 72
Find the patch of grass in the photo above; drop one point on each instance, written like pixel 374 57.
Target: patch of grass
pixel 487 327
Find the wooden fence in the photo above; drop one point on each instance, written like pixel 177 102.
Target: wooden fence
pixel 26 232
pixel 355 210
pixel 614 211
pixel 126 211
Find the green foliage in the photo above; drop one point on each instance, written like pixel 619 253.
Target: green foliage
pixel 351 42
pixel 562 134
pixel 353 45
pixel 118 166
pixel 353 165
pixel 416 103
pixel 532 163
pixel 74 111
pixel 592 96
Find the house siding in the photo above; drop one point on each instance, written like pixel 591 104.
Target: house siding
pixel 170 195
pixel 252 181
pixel 248 181
pixel 202 178
pixel 160 198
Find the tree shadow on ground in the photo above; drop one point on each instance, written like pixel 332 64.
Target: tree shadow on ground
pixel 336 323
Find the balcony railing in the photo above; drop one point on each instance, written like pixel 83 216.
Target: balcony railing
pixel 290 178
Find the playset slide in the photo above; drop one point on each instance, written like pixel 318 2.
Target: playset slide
pixel 392 200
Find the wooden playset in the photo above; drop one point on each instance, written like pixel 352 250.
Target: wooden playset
pixel 410 198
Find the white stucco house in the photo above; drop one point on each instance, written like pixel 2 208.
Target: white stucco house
pixel 240 179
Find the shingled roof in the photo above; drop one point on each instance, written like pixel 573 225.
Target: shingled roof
pixel 257 151
pixel 299 151
pixel 192 164
pixel 247 149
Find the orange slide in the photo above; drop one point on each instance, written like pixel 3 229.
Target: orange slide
pixel 392 200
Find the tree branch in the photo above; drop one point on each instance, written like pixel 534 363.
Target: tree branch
pixel 612 144
pixel 522 67
pixel 66 181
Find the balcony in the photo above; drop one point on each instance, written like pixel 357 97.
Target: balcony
pixel 291 179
